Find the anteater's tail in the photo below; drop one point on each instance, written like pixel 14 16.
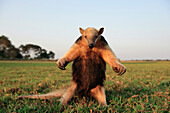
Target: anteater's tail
pixel 55 94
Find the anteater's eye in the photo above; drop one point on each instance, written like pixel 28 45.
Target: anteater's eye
pixel 85 36
pixel 95 36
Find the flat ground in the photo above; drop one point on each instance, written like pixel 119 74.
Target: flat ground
pixel 143 88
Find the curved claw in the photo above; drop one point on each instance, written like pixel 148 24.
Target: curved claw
pixel 62 68
pixel 122 71
pixel 62 63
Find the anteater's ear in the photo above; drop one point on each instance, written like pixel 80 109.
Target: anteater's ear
pixel 81 30
pixel 100 31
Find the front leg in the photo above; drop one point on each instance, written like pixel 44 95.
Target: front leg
pixel 70 55
pixel 110 58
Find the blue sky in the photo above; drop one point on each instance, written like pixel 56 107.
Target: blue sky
pixel 135 29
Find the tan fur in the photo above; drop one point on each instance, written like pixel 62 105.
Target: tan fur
pixel 80 49
pixel 54 94
pixel 109 57
pixel 99 94
pixel 69 93
pixel 106 53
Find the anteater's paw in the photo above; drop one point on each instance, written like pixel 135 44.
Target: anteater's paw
pixel 62 63
pixel 120 69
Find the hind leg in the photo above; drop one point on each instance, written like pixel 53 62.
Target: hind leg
pixel 69 93
pixel 99 94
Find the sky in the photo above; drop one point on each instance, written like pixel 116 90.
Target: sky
pixel 134 29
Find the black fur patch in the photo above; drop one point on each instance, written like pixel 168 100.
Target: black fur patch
pixel 101 43
pixel 79 39
pixel 103 40
pixel 88 71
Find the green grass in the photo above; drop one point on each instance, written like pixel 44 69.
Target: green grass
pixel 143 88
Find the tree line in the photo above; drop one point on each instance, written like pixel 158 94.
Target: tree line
pixel 28 51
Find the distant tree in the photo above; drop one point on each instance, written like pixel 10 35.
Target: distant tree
pixel 5 43
pixel 51 55
pixel 44 54
pixel 7 50
pixel 31 51
pixel 14 53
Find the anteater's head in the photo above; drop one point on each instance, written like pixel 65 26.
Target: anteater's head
pixel 91 35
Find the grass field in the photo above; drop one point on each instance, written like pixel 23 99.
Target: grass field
pixel 143 88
